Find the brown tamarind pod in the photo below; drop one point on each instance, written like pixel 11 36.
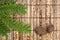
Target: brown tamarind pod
pixel 40 30
pixel 43 30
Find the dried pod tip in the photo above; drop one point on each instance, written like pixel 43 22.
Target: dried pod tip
pixel 50 28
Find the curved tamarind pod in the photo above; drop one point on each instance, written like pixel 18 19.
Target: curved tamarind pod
pixel 45 29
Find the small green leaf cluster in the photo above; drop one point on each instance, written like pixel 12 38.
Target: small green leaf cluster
pixel 7 23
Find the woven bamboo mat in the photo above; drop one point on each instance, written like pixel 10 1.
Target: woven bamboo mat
pixel 35 7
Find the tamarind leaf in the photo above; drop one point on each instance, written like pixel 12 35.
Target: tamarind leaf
pixel 13 9
pixel 14 24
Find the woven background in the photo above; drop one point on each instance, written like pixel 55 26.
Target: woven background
pixel 36 10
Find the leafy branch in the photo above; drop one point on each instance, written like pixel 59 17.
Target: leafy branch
pixel 6 22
